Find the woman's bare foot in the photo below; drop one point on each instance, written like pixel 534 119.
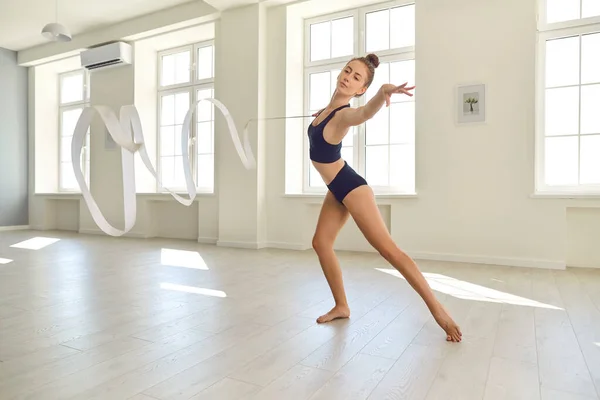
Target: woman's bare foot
pixel 453 333
pixel 336 312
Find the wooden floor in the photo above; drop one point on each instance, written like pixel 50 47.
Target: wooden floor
pixel 89 317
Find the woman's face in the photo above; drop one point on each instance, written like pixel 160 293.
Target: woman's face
pixel 353 78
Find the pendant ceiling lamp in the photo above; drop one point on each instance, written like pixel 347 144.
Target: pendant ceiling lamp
pixel 55 31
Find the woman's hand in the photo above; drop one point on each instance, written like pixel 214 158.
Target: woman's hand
pixel 389 89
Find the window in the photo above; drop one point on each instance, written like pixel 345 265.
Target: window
pixel 382 149
pixel 568 94
pixel 74 96
pixel 186 75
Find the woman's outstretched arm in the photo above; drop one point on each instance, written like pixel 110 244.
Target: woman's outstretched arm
pixel 356 116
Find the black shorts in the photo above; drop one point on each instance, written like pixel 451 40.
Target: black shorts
pixel 344 182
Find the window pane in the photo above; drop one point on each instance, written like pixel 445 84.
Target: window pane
pixel 179 177
pixel 348 155
pixel 590 8
pixel 320 85
pixel 177 139
pixel 590 58
pixel 167 165
pixel 377 165
pixel 590 109
pixel 320 41
pixel 182 106
pixel 342 37
pixel 205 144
pixel 205 171
pixel 167 141
pixel 378 30
pixel 175 68
pixel 205 62
pixel 67 176
pixel 204 93
pixel 167 111
pixel 562 62
pixel 182 67
pixel 65 148
pixel 334 77
pixel 402 26
pixel 590 160
pixel 349 138
pixel 377 128
pixel 562 111
pixel 69 121
pixel 71 88
pixel 205 109
pixel 314 178
pixel 168 70
pixel 562 10
pixel 402 166
pixel 561 159
pixel 400 72
pixel 402 123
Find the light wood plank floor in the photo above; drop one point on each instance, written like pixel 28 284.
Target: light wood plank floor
pixel 91 317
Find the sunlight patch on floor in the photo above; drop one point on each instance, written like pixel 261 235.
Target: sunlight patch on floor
pixel 182 258
pixel 35 243
pixel 193 290
pixel 5 261
pixel 470 291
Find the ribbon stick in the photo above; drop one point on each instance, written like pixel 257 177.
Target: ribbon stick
pixel 127 133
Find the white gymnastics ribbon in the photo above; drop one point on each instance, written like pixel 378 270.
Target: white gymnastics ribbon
pixel 132 141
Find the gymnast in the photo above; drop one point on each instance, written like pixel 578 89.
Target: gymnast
pixel 349 193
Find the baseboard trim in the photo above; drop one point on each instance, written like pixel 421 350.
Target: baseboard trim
pixel 100 232
pixel 287 246
pixel 207 240
pixel 475 259
pixel 241 245
pixel 584 266
pixel 14 228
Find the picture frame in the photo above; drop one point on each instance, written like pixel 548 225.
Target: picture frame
pixel 471 104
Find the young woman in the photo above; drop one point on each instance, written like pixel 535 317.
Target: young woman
pixel 349 194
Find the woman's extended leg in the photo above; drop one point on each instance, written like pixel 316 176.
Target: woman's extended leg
pixel 331 220
pixel 361 205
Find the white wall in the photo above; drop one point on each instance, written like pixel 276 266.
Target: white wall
pixel 13 141
pixel 474 184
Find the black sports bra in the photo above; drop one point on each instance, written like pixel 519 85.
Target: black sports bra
pixel 322 151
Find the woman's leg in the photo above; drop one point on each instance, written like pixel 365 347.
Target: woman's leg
pixel 331 220
pixel 361 204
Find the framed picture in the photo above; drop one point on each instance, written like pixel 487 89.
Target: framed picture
pixel 470 107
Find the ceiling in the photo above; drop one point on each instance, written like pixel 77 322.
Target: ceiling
pixel 21 21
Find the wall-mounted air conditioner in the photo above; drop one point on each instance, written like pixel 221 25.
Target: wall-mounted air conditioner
pixel 108 55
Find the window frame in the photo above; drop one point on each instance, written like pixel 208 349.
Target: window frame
pixel 546 32
pixel 310 67
pixel 62 107
pixel 544 26
pixel 191 87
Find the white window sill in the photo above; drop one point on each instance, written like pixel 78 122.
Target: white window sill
pixel 145 196
pixel 168 196
pixel 567 196
pixel 60 195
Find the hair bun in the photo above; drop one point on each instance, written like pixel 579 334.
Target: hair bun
pixel 373 59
